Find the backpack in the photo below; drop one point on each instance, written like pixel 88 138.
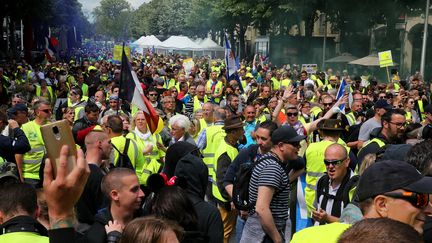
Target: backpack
pixel 240 193
pixel 124 160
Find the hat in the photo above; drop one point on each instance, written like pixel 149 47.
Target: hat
pixel 92 68
pixel 174 153
pixel 8 170
pixel 331 125
pixel 428 109
pixel 396 151
pixel 113 97
pixel 18 107
pixel 382 104
pixel 286 134
pixel 249 75
pixel 332 77
pixel 389 175
pixel 233 122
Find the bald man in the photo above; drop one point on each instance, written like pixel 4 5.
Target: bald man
pixel 92 199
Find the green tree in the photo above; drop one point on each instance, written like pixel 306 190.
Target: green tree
pixel 112 18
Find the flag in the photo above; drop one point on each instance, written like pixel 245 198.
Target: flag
pixel 50 50
pixel 344 88
pixel 132 91
pixel 230 60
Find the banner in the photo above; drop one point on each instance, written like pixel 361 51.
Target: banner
pixel 117 53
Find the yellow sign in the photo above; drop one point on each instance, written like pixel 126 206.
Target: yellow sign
pixel 385 59
pixel 117 53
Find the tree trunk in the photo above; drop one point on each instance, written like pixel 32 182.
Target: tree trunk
pixel 12 40
pixel 28 38
pixel 242 41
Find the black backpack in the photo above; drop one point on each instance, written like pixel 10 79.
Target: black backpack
pixel 123 160
pixel 240 193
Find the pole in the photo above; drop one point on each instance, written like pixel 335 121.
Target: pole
pixel 423 53
pixel 324 42
pixel 388 75
pixel 22 35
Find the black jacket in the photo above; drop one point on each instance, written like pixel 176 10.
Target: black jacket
pixel 81 124
pixel 17 144
pixel 194 172
pixel 97 233
pixel 23 223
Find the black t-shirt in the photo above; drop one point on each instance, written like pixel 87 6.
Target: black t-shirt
pixel 92 198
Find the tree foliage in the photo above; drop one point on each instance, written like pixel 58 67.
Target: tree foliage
pixel 112 18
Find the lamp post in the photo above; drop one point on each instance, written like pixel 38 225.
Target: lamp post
pixel 423 53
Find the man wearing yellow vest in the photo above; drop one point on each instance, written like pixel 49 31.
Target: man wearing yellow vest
pixel 214 88
pixel 113 126
pixel 200 98
pixel 208 118
pixel 385 189
pixel 209 140
pixel 77 102
pixel 29 163
pixel 224 155
pixel 392 132
pixel 18 215
pixel 330 131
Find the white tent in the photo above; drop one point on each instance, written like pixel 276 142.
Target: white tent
pixel 180 43
pixel 148 41
pixel 209 45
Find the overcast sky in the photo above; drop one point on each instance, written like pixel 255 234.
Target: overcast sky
pixel 89 5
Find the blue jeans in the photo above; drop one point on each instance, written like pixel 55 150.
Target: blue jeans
pixel 239 228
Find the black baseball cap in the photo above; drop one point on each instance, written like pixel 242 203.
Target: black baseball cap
pixel 286 134
pixel 383 104
pixel 389 175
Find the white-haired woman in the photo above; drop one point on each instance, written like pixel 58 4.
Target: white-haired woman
pixel 147 144
pixel 180 125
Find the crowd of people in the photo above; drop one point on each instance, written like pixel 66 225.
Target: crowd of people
pixel 270 154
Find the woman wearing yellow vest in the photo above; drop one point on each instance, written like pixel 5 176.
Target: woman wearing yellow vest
pixel 410 113
pixel 147 144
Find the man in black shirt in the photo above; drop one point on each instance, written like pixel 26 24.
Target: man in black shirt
pixel 92 199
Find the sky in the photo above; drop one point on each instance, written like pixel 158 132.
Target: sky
pixel 89 5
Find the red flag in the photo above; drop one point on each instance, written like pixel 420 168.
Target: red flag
pixel 131 90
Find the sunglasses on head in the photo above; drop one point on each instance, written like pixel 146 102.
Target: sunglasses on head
pixel 334 162
pixel 418 200
pixel 292 114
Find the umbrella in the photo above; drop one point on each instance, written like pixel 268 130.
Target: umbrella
pixel 371 60
pixel 342 58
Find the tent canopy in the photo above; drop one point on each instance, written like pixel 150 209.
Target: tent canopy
pixel 371 60
pixel 342 58
pixel 209 45
pixel 180 43
pixel 148 41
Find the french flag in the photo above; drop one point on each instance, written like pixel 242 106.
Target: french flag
pixel 50 50
pixel 132 91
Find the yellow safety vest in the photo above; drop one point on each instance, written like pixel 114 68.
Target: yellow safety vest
pixel 232 152
pixel 315 168
pixel 373 140
pixel 351 118
pixel 276 83
pixel 149 164
pixel 328 233
pixel 214 136
pixel 319 82
pixel 119 142
pixel 203 124
pixel 84 89
pixel 316 110
pixel 50 92
pixel 169 84
pixel 23 237
pixel 217 88
pixel 33 158
pixel 197 103
pixel 408 115
pixel 421 109
pixel 285 82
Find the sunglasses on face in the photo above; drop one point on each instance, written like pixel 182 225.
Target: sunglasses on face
pixel 47 110
pixel 334 162
pixel 418 200
pixel 327 104
pixel 292 114
pixel 152 94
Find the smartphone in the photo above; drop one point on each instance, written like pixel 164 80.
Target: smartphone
pixel 55 135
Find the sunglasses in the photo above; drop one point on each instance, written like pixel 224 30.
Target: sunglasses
pixel 295 144
pixel 47 110
pixel 292 114
pixel 334 162
pixel 418 200
pixel 327 104
pixel 152 94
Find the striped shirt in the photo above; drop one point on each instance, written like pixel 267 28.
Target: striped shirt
pixel 272 172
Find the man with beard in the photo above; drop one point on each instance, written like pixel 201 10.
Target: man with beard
pixel 392 132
